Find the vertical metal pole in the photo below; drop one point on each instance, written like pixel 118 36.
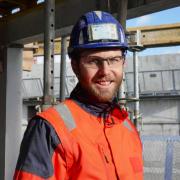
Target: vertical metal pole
pixel 122 12
pixel 136 87
pixel 121 16
pixel 63 68
pixel 122 91
pixel 136 80
pixel 49 35
pixel 169 160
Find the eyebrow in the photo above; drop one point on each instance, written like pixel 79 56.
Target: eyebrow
pixel 105 57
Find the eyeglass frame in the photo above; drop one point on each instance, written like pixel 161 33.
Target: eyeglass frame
pixel 100 60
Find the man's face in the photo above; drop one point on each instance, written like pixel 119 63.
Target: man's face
pixel 100 77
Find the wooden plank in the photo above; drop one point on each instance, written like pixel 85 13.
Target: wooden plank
pixel 157 36
pixel 151 36
pixel 57 47
pixel 156 27
pixel 28 60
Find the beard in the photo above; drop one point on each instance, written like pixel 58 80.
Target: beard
pixel 101 95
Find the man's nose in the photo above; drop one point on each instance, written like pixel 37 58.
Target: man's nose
pixel 104 68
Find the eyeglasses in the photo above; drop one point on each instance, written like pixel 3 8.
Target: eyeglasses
pixel 96 62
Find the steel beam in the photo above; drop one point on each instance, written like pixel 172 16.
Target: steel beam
pixel 63 68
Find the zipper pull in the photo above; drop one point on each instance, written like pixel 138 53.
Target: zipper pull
pixel 106 158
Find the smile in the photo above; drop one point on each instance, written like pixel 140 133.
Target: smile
pixel 104 83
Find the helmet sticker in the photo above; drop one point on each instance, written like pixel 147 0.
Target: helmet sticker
pixel 81 39
pixel 99 14
pixel 103 32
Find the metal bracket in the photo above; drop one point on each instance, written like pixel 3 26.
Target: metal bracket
pixel 129 99
pixel 136 48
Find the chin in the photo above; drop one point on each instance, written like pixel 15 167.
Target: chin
pixel 103 98
pixel 100 95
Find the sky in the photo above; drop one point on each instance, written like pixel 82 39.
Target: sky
pixel 169 16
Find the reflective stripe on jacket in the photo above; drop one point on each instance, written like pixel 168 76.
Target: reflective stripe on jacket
pixel 91 149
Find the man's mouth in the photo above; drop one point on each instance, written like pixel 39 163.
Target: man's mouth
pixel 104 83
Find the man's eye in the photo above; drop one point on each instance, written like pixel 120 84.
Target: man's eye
pixel 114 60
pixel 91 62
pixel 94 61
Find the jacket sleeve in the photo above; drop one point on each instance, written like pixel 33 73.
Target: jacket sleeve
pixel 40 157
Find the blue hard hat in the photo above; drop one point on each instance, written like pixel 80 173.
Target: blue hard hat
pixel 97 29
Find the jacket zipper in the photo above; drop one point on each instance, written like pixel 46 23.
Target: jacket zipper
pixel 110 150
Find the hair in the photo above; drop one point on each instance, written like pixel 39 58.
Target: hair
pixel 75 55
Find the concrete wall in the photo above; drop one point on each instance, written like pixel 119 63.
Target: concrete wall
pixel 160 116
pixel 154 62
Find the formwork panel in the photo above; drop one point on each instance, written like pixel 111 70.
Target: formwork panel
pixel 153 81
pixel 177 79
pixel 167 80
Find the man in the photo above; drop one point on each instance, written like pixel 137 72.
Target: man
pixel 88 136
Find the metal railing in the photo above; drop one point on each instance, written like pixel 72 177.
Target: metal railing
pixel 33 87
pixel 161 157
pixel 156 82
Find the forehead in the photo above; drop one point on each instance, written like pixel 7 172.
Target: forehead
pixel 102 52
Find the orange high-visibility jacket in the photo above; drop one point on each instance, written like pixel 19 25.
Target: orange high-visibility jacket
pixel 90 149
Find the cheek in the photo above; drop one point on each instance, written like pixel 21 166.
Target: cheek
pixel 86 75
pixel 118 73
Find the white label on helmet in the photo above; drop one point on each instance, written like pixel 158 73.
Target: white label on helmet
pixel 103 31
pixel 99 14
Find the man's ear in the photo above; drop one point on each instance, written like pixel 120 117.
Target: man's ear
pixel 75 67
